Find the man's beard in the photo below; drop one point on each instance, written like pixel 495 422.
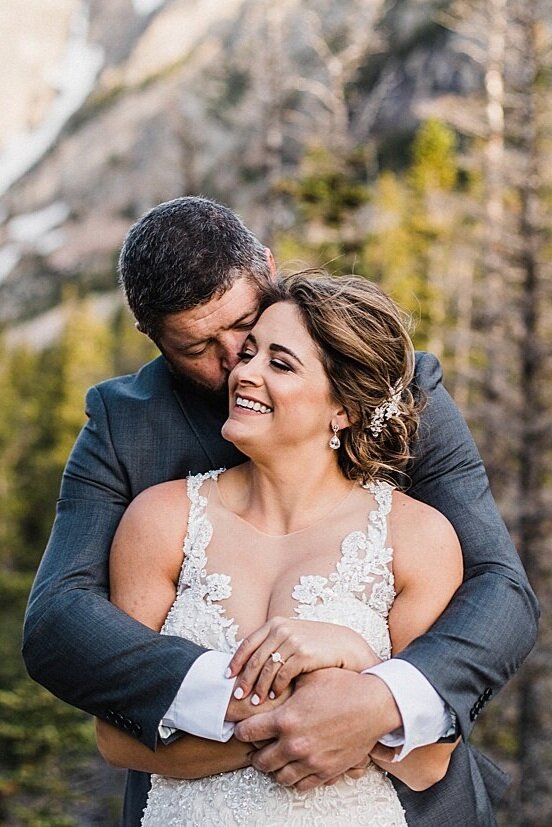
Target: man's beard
pixel 218 395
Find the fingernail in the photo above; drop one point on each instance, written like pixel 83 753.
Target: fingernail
pixel 238 693
pixel 227 672
pixel 255 700
pixel 271 695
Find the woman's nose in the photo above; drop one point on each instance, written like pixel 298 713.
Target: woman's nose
pixel 246 373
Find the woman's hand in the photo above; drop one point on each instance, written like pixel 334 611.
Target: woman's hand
pixel 283 648
pixel 239 710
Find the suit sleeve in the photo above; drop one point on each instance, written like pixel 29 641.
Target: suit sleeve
pixel 75 642
pixel 490 626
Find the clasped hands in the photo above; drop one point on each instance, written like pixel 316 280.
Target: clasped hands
pixel 323 718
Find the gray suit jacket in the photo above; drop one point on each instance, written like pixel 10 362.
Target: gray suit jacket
pixel 143 429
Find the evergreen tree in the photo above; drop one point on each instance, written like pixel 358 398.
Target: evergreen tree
pixel 47 754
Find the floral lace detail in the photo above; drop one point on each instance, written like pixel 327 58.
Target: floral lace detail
pixel 249 798
pixel 196 588
pixel 358 594
pixel 364 562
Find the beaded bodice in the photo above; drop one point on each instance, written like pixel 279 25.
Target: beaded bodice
pixel 358 592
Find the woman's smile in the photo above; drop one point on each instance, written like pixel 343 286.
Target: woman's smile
pixel 249 404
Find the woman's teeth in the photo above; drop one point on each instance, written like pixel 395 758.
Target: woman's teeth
pixel 252 406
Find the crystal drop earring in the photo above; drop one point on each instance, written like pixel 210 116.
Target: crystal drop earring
pixel 335 442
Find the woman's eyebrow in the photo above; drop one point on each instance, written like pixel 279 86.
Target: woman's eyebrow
pixel 281 348
pixel 275 348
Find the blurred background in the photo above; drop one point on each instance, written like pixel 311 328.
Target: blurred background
pixel 406 140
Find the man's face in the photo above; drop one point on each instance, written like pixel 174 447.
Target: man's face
pixel 202 343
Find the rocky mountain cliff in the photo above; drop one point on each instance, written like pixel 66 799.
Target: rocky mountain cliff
pixel 150 100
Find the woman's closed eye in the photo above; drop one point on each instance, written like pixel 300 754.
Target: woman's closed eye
pixel 279 365
pixel 245 355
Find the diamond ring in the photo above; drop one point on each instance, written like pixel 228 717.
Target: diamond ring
pixel 277 658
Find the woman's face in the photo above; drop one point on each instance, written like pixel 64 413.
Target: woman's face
pixel 279 393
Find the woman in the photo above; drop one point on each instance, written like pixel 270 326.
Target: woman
pixel 305 550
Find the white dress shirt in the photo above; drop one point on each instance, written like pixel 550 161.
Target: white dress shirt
pixel 201 702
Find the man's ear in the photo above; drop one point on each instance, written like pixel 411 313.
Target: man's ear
pixel 271 261
pixel 143 332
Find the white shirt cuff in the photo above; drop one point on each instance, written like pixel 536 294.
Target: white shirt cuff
pixel 201 702
pixel 425 716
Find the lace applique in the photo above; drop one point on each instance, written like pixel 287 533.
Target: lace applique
pixel 195 586
pixel 364 562
pixel 248 798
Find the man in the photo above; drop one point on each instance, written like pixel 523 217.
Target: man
pixel 191 271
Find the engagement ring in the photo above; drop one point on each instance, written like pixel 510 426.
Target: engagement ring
pixel 277 658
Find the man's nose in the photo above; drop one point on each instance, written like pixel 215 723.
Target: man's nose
pixel 230 347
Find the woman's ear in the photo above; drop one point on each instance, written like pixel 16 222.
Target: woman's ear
pixel 342 418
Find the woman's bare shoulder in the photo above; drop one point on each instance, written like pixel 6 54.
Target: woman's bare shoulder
pixel 157 517
pixel 163 491
pixel 147 553
pixel 408 512
pixel 159 501
pixel 422 538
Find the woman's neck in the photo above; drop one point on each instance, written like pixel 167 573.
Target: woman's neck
pixel 283 495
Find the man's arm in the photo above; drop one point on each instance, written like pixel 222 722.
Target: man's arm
pixel 481 639
pixel 76 644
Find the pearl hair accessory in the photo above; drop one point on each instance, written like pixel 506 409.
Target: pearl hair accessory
pixel 386 410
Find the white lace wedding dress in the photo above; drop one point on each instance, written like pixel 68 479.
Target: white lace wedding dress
pixel 358 593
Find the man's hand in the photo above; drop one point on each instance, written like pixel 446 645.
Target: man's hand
pixel 329 725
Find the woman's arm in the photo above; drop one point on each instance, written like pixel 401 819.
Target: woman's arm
pixel 428 571
pixel 146 554
pixel 421 769
pixel 187 757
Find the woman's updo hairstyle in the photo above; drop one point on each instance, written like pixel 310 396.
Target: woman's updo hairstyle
pixel 368 358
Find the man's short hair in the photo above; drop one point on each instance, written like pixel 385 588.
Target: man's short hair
pixel 182 253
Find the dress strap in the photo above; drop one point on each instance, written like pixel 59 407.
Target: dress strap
pixel 193 484
pixel 379 554
pixel 199 530
pixel 377 521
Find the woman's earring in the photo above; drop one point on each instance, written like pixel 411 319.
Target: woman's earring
pixel 335 442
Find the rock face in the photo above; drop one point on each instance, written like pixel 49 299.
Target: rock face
pixel 145 100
